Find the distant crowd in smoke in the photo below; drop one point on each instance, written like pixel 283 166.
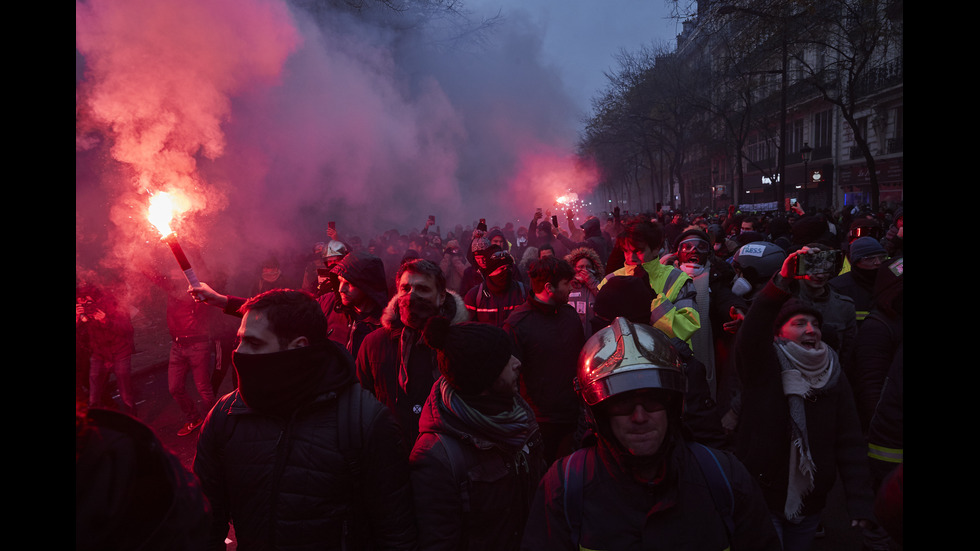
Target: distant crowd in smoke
pixel 272 122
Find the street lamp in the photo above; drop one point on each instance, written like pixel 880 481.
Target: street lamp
pixel 805 152
pixel 784 84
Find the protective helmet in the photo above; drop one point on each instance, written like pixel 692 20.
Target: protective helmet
pixel 758 261
pixel 334 248
pixel 627 356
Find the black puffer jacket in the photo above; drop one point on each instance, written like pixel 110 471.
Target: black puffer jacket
pixel 285 482
pixel 499 482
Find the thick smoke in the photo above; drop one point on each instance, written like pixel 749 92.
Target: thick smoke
pixel 267 124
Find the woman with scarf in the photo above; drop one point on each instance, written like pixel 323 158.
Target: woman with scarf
pixel 799 427
pixel 478 458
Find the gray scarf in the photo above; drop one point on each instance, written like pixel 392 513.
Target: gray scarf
pixel 804 371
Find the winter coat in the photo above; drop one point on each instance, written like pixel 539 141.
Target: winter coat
pixel 285 483
pixel 379 360
pixel 485 306
pixel 616 511
pixel 880 336
pixel 483 501
pixel 763 440
pixel 547 340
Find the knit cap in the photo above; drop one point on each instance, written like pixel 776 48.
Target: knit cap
pixel 793 307
pixel 478 244
pixel 863 247
pixel 625 296
pixel 471 355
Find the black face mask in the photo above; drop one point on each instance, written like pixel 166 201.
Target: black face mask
pixel 280 382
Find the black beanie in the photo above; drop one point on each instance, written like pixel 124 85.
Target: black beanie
pixel 793 307
pixel 471 355
pixel 625 296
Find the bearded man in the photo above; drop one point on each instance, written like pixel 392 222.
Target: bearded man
pixel 394 363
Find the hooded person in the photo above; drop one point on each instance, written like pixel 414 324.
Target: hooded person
pixel 479 249
pixel 354 307
pixel 501 291
pixel 798 426
pixel 477 433
pixel 592 238
pixel 642 483
pixel 589 271
pixel 394 362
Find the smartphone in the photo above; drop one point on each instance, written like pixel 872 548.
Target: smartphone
pixel 820 262
pixel 332 225
pixel 554 220
pixel 539 210
pixel 792 201
pixel 432 219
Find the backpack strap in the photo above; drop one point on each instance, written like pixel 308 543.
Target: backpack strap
pixel 718 484
pixel 456 464
pixel 574 484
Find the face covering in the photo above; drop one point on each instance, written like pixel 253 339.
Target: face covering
pixel 741 286
pixel 279 382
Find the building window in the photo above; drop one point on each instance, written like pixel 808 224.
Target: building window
pixel 796 136
pixel 822 133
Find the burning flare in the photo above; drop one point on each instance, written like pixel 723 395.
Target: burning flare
pixel 161 212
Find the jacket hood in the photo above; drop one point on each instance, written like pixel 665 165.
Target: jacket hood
pixel 366 272
pixel 591 255
pixel 592 228
pixel 453 309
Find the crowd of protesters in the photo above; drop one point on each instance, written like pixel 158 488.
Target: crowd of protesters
pixel 429 390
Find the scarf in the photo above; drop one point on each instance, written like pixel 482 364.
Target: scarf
pixel 804 371
pixel 703 341
pixel 512 427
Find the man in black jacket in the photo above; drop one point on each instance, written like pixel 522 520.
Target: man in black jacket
pixel 548 336
pixel 270 457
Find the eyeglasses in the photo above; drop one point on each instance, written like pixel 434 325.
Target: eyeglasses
pixel 625 404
